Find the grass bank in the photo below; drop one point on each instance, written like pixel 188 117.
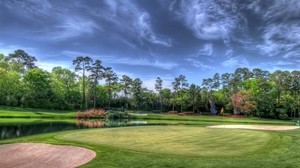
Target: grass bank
pixel 17 112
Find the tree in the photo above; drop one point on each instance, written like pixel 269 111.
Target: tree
pixel 242 102
pixel 137 92
pixel 282 80
pixel 82 64
pixel 166 95
pixel 97 74
pixel 22 58
pixel 65 88
pixel 38 91
pixel 11 88
pixel 179 84
pixel 295 87
pixel 126 82
pixel 176 87
pixel 216 81
pixel 194 93
pixel 158 88
pixel 111 79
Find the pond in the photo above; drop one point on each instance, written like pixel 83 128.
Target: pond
pixel 9 128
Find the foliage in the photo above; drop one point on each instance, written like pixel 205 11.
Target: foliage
pixel 254 92
pixel 111 114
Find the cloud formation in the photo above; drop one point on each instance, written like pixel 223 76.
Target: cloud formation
pixel 209 19
pixel 156 38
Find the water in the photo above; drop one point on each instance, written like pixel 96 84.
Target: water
pixel 14 130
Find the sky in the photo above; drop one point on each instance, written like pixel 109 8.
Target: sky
pixel 156 38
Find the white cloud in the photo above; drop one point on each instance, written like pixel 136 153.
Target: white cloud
pixel 281 28
pixel 280 37
pixel 126 61
pixel 142 25
pixel 74 54
pixel 73 26
pixel 236 62
pixel 7 49
pixel 127 16
pixel 145 62
pixel 49 65
pixel 64 23
pixel 208 19
pixel 273 10
pixel 198 64
pixel 206 50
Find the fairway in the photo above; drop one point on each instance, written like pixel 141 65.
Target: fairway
pixel 181 140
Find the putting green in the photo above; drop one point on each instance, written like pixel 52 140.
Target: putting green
pixel 181 140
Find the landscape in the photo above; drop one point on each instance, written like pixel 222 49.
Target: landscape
pixel 138 83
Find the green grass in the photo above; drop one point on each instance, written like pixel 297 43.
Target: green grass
pixel 218 119
pixel 181 146
pixel 180 140
pixel 30 121
pixel 17 112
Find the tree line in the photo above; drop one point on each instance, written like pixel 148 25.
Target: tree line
pixel 253 92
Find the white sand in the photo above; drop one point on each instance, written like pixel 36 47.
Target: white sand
pixel 257 127
pixel 39 155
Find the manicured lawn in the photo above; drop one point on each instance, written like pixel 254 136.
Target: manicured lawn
pixel 203 118
pixel 180 140
pixel 29 121
pixel 16 112
pixel 181 146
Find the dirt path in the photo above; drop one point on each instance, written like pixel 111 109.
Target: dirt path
pixel 257 127
pixel 39 155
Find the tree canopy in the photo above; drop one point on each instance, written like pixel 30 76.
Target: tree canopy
pixel 253 92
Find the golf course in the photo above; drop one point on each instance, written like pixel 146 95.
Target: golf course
pixel 150 84
pixel 166 140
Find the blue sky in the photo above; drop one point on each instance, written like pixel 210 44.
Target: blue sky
pixel 164 38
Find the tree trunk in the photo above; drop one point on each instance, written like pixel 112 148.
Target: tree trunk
pixel 94 96
pixel 173 103
pixel 83 88
pixel 161 106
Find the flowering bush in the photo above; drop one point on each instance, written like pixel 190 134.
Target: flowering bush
pixel 91 113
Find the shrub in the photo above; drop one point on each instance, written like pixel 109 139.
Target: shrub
pixel 117 115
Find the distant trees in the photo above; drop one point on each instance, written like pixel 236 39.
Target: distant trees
pixel 82 64
pixel 65 88
pixel 137 92
pixel 37 88
pixel 126 83
pixel 97 73
pixel 158 88
pixel 21 60
pixel 253 92
pixel 179 84
pixel 111 79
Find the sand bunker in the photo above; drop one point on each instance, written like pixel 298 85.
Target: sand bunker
pixel 256 127
pixel 33 155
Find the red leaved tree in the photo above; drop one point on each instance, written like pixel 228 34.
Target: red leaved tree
pixel 241 102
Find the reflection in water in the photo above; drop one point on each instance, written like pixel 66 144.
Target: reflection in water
pixel 18 130
pixel 108 123
pixel 90 123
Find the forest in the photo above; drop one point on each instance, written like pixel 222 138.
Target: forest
pixel 247 92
